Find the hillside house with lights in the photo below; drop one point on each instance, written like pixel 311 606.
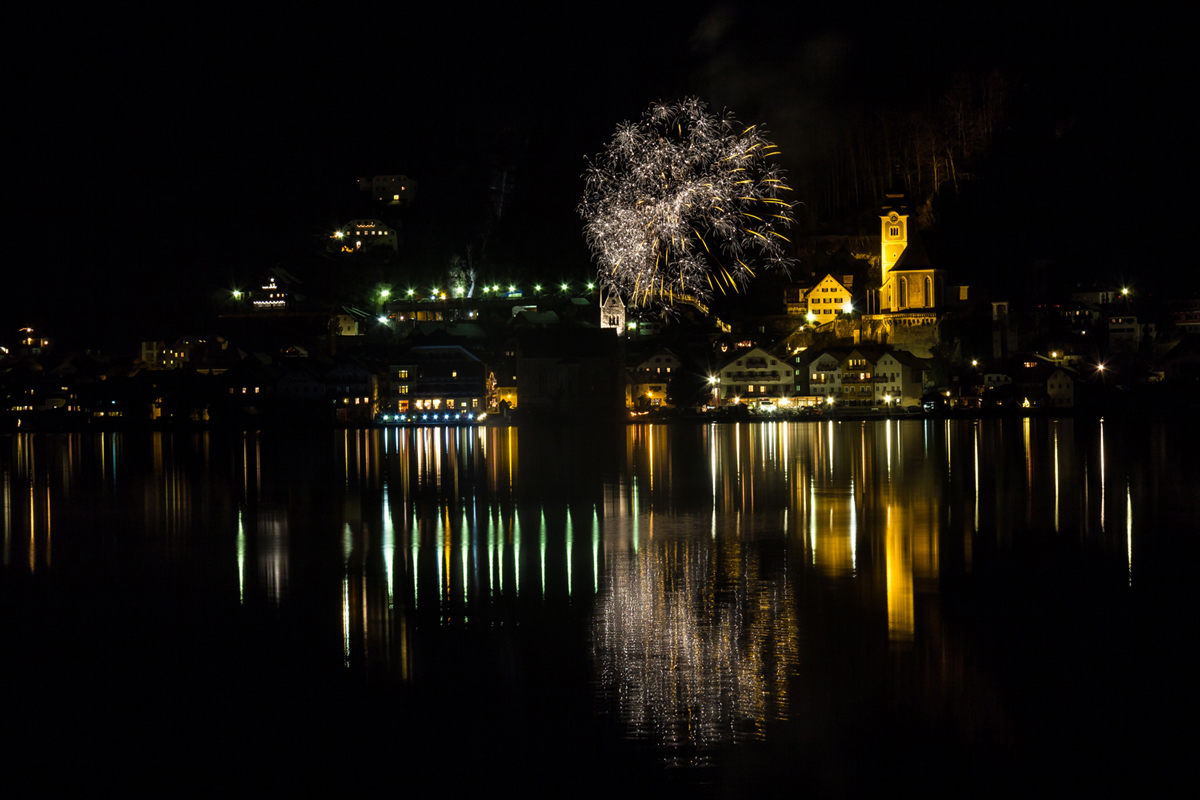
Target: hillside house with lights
pixel 360 235
pixel 389 189
pixel 271 297
pixel 821 303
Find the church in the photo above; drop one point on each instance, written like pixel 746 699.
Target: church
pixel 911 291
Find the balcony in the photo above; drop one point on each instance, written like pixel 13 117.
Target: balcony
pixel 752 375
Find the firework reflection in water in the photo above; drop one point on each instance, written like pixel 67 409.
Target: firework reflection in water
pixel 694 648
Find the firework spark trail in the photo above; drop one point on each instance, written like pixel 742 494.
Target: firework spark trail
pixel 680 201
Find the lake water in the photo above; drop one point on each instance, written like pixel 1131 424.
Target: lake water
pixel 954 605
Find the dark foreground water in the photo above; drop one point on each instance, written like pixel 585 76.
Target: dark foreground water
pixel 965 607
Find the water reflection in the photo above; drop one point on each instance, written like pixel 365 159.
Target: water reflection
pixel 694 640
pixel 703 560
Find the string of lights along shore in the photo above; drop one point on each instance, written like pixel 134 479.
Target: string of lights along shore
pixel 683 204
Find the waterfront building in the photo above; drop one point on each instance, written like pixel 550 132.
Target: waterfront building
pixel 754 377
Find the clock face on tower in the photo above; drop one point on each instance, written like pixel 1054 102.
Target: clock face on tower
pixel 894 218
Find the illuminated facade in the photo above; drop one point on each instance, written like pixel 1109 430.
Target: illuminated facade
pixel 824 369
pixel 612 312
pixel 754 377
pixel 909 285
pixel 30 344
pixel 443 378
pixel 271 297
pixel 650 379
pixel 863 377
pixel 157 355
pixel 359 235
pixel 821 303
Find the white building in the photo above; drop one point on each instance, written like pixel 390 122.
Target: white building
pixel 650 379
pixel 752 377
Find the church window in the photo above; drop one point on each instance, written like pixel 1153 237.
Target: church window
pixel 894 231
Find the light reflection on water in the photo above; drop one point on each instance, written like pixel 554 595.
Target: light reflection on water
pixel 696 553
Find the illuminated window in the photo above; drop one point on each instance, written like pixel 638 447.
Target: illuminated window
pixel 404 390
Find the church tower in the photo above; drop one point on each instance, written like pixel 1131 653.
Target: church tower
pixel 894 229
pixel 612 312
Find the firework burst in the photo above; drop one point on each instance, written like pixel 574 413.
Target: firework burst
pixel 680 204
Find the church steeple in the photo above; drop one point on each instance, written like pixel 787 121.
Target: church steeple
pixel 612 312
pixel 894 229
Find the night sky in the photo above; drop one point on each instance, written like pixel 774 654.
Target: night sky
pixel 158 155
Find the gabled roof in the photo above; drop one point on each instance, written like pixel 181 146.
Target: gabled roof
pixel 831 277
pixel 914 256
pixel 838 354
pixel 871 354
pixel 537 318
pixel 908 359
pixel 751 354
